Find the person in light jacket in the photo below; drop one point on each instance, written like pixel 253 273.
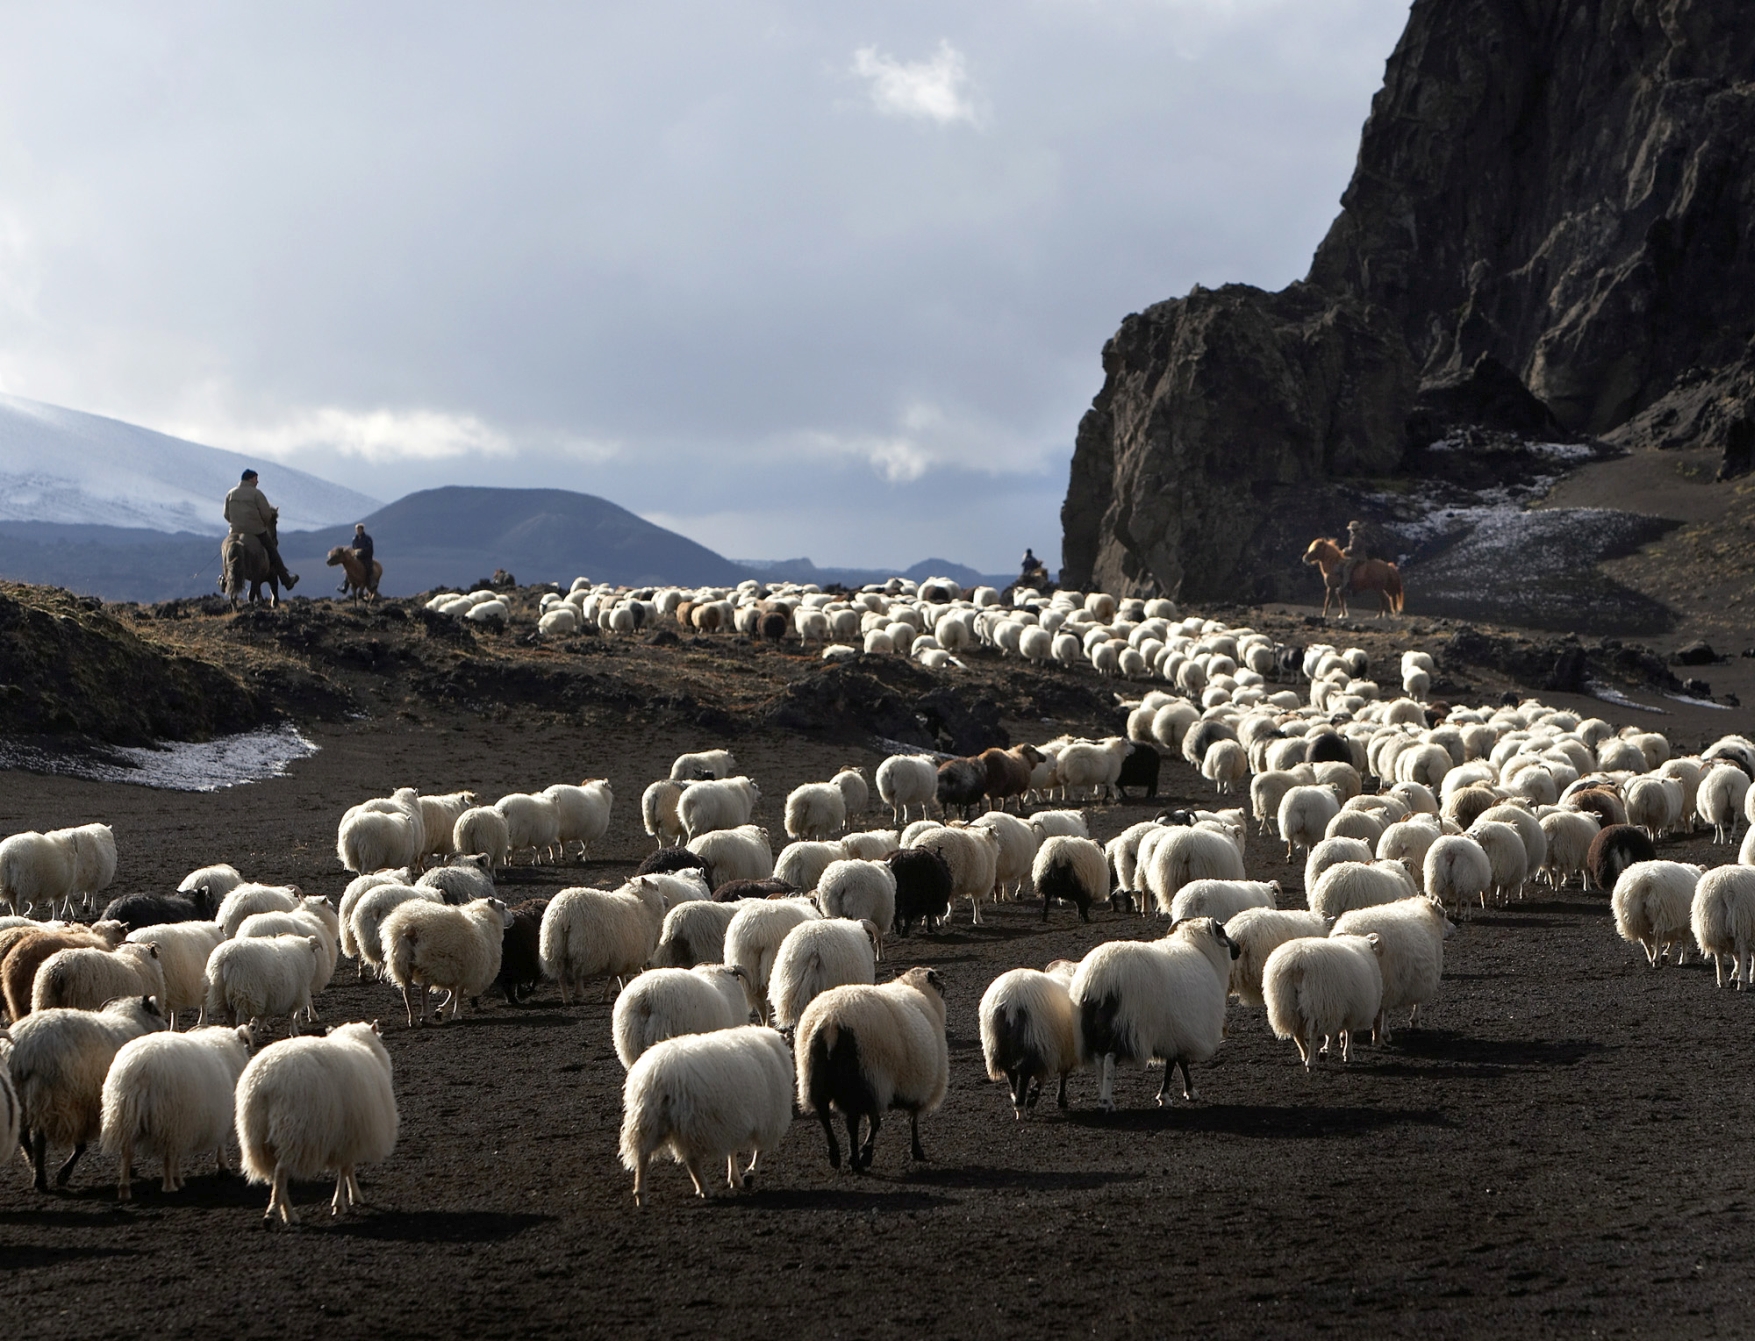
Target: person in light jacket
pixel 248 513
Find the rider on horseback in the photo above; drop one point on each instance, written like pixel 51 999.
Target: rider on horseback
pixel 362 549
pixel 1359 547
pixel 249 515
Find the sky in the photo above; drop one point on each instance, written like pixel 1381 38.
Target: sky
pixel 794 279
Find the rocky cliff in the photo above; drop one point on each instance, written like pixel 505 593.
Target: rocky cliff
pixel 1548 231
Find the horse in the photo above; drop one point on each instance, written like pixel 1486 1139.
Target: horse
pixel 1368 575
pixel 358 585
pixel 241 562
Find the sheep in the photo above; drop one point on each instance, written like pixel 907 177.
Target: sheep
pixel 1406 841
pixel 1304 815
pixel 1060 823
pixel 1222 900
pixel 86 977
pixel 905 781
pixel 1224 765
pixel 658 811
pixel 94 859
pixel 260 978
pixel 1266 791
pixel 973 857
pixel 735 854
pixel 1411 935
pixel 873 845
pixel 27 953
pixel 1506 853
pixel 1654 804
pixel 1351 884
pixel 171 1095
pixel 521 952
pixel 668 1002
pixel 924 887
pixel 801 865
pixel 1456 870
pixel 1257 933
pixel 145 910
pixel 855 794
pixel 1093 764
pixel 725 803
pixel 382 833
pixel 58 1064
pixel 864 891
pixel 312 1106
pixel 461 880
pixel 1722 918
pixel 1599 802
pixel 1332 852
pixel 10 1109
pixel 754 935
pixel 862 1050
pixel 1184 855
pixel 434 945
pixel 1140 1001
pixel 218 881
pixel 706 764
pixel 533 824
pixel 685 886
pixel 483 831
pixel 1569 834
pixel 1018 843
pixel 707 1097
pixel 815 956
pixel 1613 850
pixel 439 816
pixel 1317 987
pixel 1720 798
pixel 1653 902
pixel 1073 870
pixel 313 917
pixel 35 867
pixel 693 933
pixel 183 950
pixel 592 932
pixel 668 861
pixel 366 921
pixel 583 813
pixel 248 899
pixel 1529 830
pixel 1029 1033
pixel 962 783
pixel 815 810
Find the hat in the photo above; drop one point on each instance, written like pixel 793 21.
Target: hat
pixel 247 475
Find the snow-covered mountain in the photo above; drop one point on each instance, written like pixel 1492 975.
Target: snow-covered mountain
pixel 64 466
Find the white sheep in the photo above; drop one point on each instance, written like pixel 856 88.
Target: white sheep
pixel 483 831
pixel 1355 884
pixel 1457 870
pixel 35 867
pixel 1320 987
pixel 439 816
pixel 1257 933
pixel 802 864
pixel 1406 841
pixel 94 859
pixel 311 1106
pixel 366 922
pixel 1060 824
pixel 583 812
pixel 1653 903
pixel 262 978
pixel 686 886
pixel 1142 1001
pixel 313 917
pixel 218 881
pixel 905 781
pixel 742 853
pixel 724 803
pixel 183 950
pixel 707 1097
pixel 1224 765
pixel 11 1111
pixel 434 946
pixel 815 810
pixel 1723 921
pixel 1222 900
pixel 171 1096
pixel 705 764
pixel 1569 834
pixel 864 891
pixel 1506 853
pixel 693 933
pixel 864 1050
pixel 58 1064
pixel 815 956
pixel 855 794
pixel 1719 799
pixel 658 811
pixel 1411 935
pixel 247 899
pixel 1018 841
pixel 1093 764
pixel 668 1002
pixel 972 855
pixel 461 880
pixel 755 933
pixel 84 978
pixel 382 833
pixel 1304 815
pixel 873 845
pixel 588 933
pixel 1029 1034
pixel 1183 855
pixel 533 824
pixel 1073 870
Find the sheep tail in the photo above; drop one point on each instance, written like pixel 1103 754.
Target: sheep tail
pixel 1281 993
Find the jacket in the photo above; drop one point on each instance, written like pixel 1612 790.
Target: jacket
pixel 247 511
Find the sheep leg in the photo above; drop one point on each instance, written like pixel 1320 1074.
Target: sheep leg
pixel 865 1151
pixel 1106 1085
pixel 1163 1097
pixel 1188 1090
pixel 1020 1085
pixel 170 1182
pixel 277 1201
pixel 408 1005
pixel 731 1179
pixel 640 1163
pixel 354 1196
pixel 66 1170
pixel 975 907
pixel 916 1149
pixel 828 1120
pixel 1060 1099
pixel 125 1174
pixel 338 1203
pixel 1346 1046
pixel 36 1149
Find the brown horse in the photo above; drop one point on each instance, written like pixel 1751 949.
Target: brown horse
pixel 244 562
pixel 358 584
pixel 1368 575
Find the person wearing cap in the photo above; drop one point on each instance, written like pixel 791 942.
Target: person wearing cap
pixel 362 547
pixel 248 513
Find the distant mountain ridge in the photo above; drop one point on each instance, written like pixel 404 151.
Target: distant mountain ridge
pixel 71 468
pixel 804 571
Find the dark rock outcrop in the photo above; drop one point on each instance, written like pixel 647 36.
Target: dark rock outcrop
pixel 1549 231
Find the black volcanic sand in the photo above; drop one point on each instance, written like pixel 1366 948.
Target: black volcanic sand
pixel 1563 1147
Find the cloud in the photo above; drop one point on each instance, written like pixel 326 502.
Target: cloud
pixel 929 90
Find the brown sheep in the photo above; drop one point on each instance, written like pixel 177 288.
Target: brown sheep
pixel 19 970
pixel 1602 803
pixel 1008 772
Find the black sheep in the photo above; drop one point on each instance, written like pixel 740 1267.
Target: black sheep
pixel 1326 747
pixel 1201 737
pixel 668 861
pixel 962 783
pixel 151 910
pixel 1613 850
pixel 520 957
pixel 774 625
pixel 923 887
pixel 1140 769
pixel 771 887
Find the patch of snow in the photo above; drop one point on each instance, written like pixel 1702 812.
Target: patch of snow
pixel 178 766
pixel 64 466
pixel 1609 694
pixel 1697 702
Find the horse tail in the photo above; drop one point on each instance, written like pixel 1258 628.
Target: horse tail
pixel 1394 588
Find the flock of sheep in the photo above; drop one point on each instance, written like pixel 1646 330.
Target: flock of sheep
pixel 748 978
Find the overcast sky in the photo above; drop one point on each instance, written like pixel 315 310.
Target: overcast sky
pixel 795 279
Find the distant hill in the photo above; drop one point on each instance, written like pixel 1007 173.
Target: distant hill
pixel 66 467
pixel 803 570
pixel 452 536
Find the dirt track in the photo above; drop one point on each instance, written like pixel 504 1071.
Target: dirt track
pixel 1562 1148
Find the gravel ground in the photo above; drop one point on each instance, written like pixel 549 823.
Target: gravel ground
pixel 1561 1149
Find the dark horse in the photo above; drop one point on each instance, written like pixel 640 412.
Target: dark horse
pixel 243 560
